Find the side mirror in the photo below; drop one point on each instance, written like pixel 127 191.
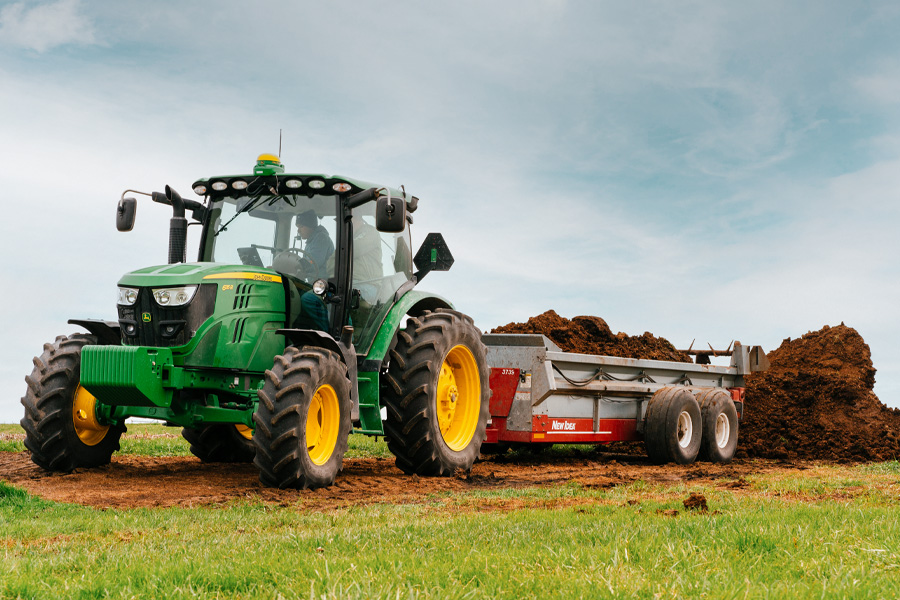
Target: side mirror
pixel 125 212
pixel 390 214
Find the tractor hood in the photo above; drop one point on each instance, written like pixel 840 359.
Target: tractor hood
pixel 195 273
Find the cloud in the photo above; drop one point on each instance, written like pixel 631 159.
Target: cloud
pixel 45 26
pixel 882 87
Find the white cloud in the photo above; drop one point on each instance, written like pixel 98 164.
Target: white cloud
pixel 882 87
pixel 45 26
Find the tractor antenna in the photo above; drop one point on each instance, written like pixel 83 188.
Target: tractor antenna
pixel 279 144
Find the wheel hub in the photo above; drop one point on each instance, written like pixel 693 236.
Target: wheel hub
pixel 322 422
pixel 84 416
pixel 685 429
pixel 723 430
pixel 245 431
pixel 458 398
pixel 447 395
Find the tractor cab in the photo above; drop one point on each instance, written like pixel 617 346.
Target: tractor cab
pixel 341 267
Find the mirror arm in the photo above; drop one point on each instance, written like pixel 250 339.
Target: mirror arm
pixel 361 198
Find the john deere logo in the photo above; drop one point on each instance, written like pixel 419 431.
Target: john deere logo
pixel 145 317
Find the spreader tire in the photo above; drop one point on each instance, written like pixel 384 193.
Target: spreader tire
pixel 61 427
pixel 437 394
pixel 303 419
pixel 672 430
pixel 220 443
pixel 720 426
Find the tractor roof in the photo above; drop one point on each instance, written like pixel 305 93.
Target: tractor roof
pixel 269 177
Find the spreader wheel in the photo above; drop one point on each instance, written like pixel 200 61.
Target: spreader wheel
pixel 437 394
pixel 672 430
pixel 62 430
pixel 720 426
pixel 303 419
pixel 221 443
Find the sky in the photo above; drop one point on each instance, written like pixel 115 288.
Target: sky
pixel 708 171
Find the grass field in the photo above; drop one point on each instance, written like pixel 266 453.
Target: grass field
pixel 825 531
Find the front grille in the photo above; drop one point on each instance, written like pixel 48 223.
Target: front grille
pixel 154 325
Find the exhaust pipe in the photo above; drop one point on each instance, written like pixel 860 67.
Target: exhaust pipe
pixel 177 228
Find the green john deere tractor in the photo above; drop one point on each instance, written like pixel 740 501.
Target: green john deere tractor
pixel 286 334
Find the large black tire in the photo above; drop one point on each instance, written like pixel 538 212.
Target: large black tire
pixel 220 443
pixel 51 435
pixel 303 419
pixel 672 429
pixel 437 394
pixel 720 426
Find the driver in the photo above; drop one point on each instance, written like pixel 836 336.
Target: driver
pixel 317 247
pixel 311 262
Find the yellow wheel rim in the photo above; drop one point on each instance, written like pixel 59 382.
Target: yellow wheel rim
pixel 245 431
pixel 322 422
pixel 458 398
pixel 84 416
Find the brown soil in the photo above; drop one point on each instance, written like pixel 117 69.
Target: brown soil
pixel 142 481
pixel 696 502
pixel 591 335
pixel 816 401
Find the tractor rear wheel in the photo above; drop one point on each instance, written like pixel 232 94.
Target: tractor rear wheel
pixel 720 426
pixel 223 442
pixel 437 394
pixel 672 429
pixel 303 419
pixel 62 430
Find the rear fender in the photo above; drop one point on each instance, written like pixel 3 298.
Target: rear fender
pixel 412 303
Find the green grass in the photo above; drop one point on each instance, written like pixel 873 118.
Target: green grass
pixel 826 531
pixel 11 437
pixel 749 546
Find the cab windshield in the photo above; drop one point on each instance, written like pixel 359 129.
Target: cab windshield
pixel 294 235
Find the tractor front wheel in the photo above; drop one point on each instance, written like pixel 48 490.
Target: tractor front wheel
pixel 303 419
pixel 437 394
pixel 62 430
pixel 224 442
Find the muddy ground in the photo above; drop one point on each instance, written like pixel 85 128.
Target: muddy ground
pixel 142 481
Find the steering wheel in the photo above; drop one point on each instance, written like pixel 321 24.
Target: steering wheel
pixel 295 260
pixel 298 251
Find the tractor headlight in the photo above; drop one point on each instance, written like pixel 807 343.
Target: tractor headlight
pixel 175 296
pixel 319 287
pixel 127 296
